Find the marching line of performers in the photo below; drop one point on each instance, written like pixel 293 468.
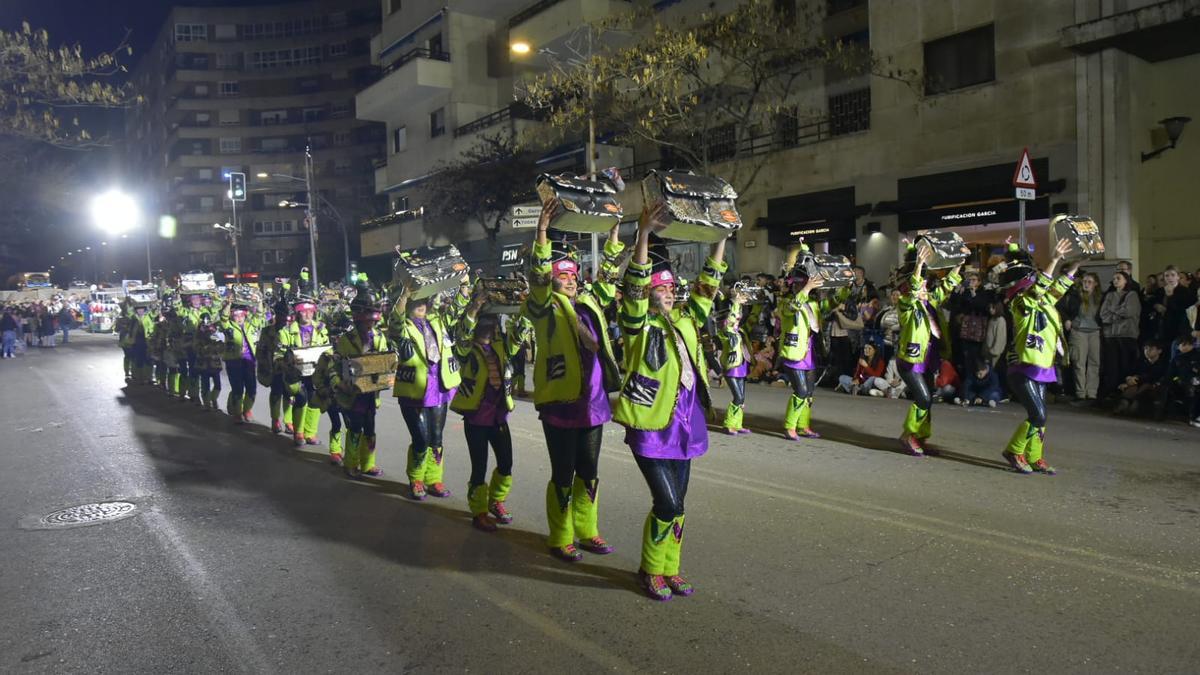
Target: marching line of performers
pixel 454 355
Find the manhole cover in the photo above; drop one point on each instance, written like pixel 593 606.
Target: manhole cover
pixel 84 514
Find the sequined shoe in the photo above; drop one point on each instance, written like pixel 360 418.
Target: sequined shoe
pixel 655 586
pixel 335 458
pixel 418 490
pixel 374 472
pixel 566 553
pixel 439 490
pixel 1041 466
pixel 596 546
pixel 808 433
pixel 1017 462
pixel 500 513
pixel 911 445
pixel 276 427
pixel 679 586
pixel 484 523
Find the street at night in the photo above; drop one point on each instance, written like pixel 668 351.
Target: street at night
pixel 833 555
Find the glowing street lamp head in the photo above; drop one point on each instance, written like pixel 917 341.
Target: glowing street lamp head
pixel 115 212
pixel 520 47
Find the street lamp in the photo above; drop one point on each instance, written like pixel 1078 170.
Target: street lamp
pixel 116 213
pixel 232 231
pixel 284 204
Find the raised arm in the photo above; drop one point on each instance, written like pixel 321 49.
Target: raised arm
pixel 635 300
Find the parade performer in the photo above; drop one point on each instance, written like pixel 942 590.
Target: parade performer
pixel 799 316
pixel 1037 334
pixel 359 409
pixel 918 350
pixel 301 333
pixel 142 333
pixel 269 370
pixel 484 399
pixel 426 378
pixel 158 347
pixel 735 362
pixel 209 345
pixel 241 338
pixel 124 326
pixel 324 396
pixel 664 397
pixel 573 372
pixel 189 316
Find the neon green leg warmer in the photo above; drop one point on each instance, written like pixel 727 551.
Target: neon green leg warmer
pixel 654 545
pixel 416 464
pixel 276 403
pixel 351 458
pixel 805 419
pixel 926 429
pixel 733 417
pixel 915 419
pixel 296 419
pixel 1019 442
pixel 366 453
pixel 433 466
pixel 674 548
pixel 286 413
pixel 173 382
pixel 477 498
pixel 586 507
pixel 335 442
pixel 792 417
pixel 312 419
pixel 247 403
pixel 558 516
pixel 500 486
pixel 1036 442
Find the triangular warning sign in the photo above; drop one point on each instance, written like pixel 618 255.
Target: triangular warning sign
pixel 1024 176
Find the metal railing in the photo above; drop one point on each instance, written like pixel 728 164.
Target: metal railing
pixel 515 111
pixel 418 53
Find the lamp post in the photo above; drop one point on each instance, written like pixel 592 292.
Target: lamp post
pixel 116 213
pixel 233 231
pixel 323 202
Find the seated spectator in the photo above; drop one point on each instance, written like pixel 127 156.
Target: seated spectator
pixel 1141 390
pixel 1183 383
pixel 945 382
pixel 896 387
pixel 764 362
pixel 868 374
pixel 981 387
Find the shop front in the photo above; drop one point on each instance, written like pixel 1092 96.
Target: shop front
pixel 824 220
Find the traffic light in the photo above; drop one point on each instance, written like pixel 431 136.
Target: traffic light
pixel 237 186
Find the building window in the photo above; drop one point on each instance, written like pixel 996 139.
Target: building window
pixel 399 139
pixel 960 60
pixel 341 138
pixel 191 32
pixel 207 203
pixel 226 61
pixel 437 122
pixel 269 117
pixel 339 109
pixel 338 49
pixel 274 144
pixel 722 142
pixel 200 90
pixel 199 148
pixel 229 118
pixel 342 166
pixel 204 174
pixel 308 84
pixel 337 20
pixel 229 88
pixel 850 112
pixel 393 6
pixel 230 145
pixel 225 31
pixel 435 44
pixel 203 119
pixel 313 114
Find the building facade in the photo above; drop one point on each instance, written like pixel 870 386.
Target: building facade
pixel 248 89
pixel 873 160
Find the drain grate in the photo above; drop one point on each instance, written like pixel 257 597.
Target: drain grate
pixel 88 514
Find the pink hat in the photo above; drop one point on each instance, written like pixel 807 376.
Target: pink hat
pixel 305 307
pixel 565 266
pixel 661 278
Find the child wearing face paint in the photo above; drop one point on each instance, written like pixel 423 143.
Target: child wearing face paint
pixel 484 399
pixel 735 362
pixel 301 333
pixel 664 397
pixel 1037 337
pixel 800 324
pixel 426 379
pixel 918 349
pixel 573 372
pixel 359 409
pixel 241 338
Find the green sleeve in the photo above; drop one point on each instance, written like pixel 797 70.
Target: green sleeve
pixel 540 286
pixel 635 299
pixel 605 285
pixel 465 334
pixel 944 288
pixel 701 300
pixel 1060 286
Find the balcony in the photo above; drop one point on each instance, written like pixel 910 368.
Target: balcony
pixel 543 23
pixel 413 77
pixel 380 236
pixel 515 111
pixel 490 9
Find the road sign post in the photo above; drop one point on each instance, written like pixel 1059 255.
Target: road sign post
pixel 1025 181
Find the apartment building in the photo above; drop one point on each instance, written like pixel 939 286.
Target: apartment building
pixel 870 160
pixel 247 89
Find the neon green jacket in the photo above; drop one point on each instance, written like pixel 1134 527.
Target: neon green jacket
pixel 1037 328
pixel 800 318
pixel 289 338
pixel 652 361
pixel 735 341
pixel 915 332
pixel 474 364
pixel 412 373
pixel 237 337
pixel 349 346
pixel 557 368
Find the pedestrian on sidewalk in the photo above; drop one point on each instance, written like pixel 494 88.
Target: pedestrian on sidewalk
pixel 1082 322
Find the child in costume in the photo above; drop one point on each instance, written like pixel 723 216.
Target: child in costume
pixel 189 317
pixel 573 372
pixel 664 397
pixel 484 399
pixel 917 352
pixel 735 362
pixel 324 397
pixel 210 348
pixel 124 330
pixel 1037 338
pixel 426 378
pixel 269 370
pixel 800 324
pixel 301 333
pixel 241 337
pixel 141 336
pixel 359 409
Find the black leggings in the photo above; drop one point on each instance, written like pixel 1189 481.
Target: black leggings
pixel 737 389
pixel 918 388
pixel 797 380
pixel 241 379
pixel 1032 395
pixel 668 483
pixel 361 416
pixel 478 438
pixel 425 425
pixel 335 418
pixel 573 452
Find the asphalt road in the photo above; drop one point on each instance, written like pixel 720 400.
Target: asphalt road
pixel 830 556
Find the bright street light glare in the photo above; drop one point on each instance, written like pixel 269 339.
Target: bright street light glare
pixel 115 211
pixel 262 175
pixel 520 47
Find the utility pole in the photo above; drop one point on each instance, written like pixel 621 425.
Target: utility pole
pixel 312 214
